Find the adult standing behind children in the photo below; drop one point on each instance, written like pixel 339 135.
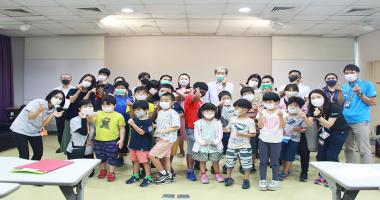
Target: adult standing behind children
pixel 359 96
pixel 220 84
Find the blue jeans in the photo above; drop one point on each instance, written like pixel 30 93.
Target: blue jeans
pixel 331 147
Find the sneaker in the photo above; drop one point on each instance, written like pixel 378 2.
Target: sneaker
pixel 111 177
pixel 303 177
pixel 170 178
pixel 58 150
pixel 146 182
pixel 263 185
pixel 161 178
pixel 181 155
pixel 102 174
pixel 246 184
pixel 273 185
pixel 228 181
pixel 283 175
pixel 319 181
pixel 326 184
pixel 224 170
pixel 219 178
pixel 253 170
pixel 131 180
pixel 204 179
pixel 190 175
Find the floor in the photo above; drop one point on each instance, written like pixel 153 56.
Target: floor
pixel 291 189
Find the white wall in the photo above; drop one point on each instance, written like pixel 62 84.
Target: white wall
pixel 48 57
pixel 196 55
pixel 368 51
pixel 313 56
pixel 18 47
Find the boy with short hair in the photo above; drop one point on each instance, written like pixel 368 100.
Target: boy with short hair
pixel 242 128
pixel 168 124
pixel 140 142
pixel 109 137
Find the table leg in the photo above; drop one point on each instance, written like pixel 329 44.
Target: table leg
pixel 68 191
pixel 337 191
pixel 350 195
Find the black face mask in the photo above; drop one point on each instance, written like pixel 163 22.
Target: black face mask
pixel 293 78
pixel 65 82
pixel 331 82
pixel 145 81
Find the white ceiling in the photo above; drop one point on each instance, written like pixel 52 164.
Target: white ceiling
pixel 190 17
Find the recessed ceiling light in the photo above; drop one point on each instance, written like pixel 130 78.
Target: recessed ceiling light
pixel 25 27
pixel 127 10
pixel 244 10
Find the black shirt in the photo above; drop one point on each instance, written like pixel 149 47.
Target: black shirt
pixel 141 142
pixel 333 111
pixel 72 111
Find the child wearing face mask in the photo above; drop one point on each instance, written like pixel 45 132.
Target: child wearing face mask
pixel 208 133
pixel 241 129
pixel 140 94
pixel 81 144
pixel 271 121
pixel 226 112
pixel 290 90
pixel 248 93
pixel 168 124
pixel 140 142
pixel 295 125
pixel 109 137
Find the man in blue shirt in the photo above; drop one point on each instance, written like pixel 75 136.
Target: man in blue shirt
pixel 359 96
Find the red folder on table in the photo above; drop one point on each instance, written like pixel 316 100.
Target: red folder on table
pixel 43 166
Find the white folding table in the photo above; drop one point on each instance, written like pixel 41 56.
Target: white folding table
pixel 7 188
pixel 348 178
pixel 68 178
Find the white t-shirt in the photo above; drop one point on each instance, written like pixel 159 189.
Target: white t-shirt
pixel 214 88
pixel 236 125
pixel 271 132
pixel 303 90
pixel 168 119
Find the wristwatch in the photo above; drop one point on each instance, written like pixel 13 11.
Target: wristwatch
pixel 360 94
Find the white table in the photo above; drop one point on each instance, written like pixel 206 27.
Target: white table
pixel 348 178
pixel 68 178
pixel 7 188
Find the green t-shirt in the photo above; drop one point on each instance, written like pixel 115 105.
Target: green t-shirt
pixel 107 125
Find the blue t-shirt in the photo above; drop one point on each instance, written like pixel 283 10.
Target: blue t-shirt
pixel 141 142
pixel 121 105
pixel 357 111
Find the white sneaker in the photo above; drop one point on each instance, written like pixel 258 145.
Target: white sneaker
pixel 273 185
pixel 263 185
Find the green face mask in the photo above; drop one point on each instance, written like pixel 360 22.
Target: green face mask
pixel 163 81
pixel 120 92
pixel 266 85
pixel 220 78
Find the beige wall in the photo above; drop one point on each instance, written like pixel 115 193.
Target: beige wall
pixel 195 55
pixel 368 51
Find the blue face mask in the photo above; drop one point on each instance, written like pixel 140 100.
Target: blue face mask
pixel 331 82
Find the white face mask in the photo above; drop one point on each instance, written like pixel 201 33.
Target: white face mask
pixel 237 112
pixel 351 77
pixel 140 97
pixel 249 97
pixel 209 115
pixel 292 110
pixel 107 108
pixel 164 105
pixel 139 114
pixel 55 101
pixel 86 84
pixel 183 82
pixel 227 102
pixel 291 93
pixel 318 102
pixel 102 78
pixel 252 83
pixel 88 110
pixel 269 106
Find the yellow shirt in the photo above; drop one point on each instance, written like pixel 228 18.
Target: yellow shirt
pixel 107 125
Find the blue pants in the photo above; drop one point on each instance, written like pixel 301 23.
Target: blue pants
pixel 272 151
pixel 331 147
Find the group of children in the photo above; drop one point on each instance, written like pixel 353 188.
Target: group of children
pixel 255 123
